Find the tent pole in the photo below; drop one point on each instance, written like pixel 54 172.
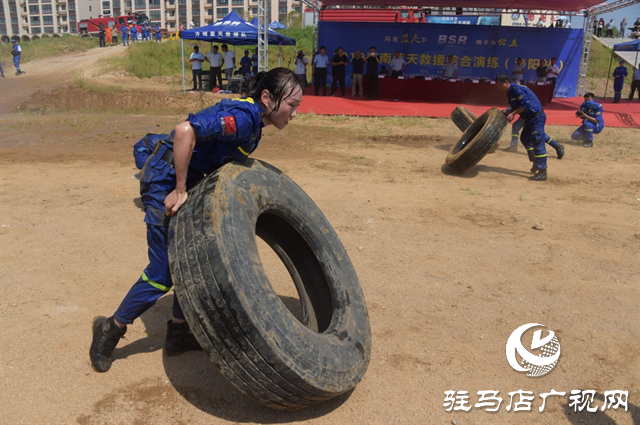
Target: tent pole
pixel 608 75
pixel 182 57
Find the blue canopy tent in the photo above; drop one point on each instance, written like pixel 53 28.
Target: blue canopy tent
pixel 275 25
pixel 231 30
pixel 630 46
pixel 254 21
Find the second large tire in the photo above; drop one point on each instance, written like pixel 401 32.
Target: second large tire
pixel 477 140
pixel 234 312
pixel 462 118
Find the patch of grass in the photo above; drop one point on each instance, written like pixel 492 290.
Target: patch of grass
pixel 48 47
pixel 81 82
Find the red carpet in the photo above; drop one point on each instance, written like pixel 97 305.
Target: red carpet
pixel 559 111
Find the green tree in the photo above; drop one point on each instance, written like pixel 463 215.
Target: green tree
pixel 294 20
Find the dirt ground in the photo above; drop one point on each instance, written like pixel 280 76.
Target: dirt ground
pixel 450 265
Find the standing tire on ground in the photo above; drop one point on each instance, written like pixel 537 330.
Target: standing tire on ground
pixel 462 118
pixel 234 312
pixel 477 140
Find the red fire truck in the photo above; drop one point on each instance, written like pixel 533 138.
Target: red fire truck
pixel 92 26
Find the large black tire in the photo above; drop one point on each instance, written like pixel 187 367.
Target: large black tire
pixel 233 310
pixel 477 140
pixel 462 118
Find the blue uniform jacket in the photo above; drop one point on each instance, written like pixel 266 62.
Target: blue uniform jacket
pixel 521 96
pixel 123 30
pixel 594 110
pixel 620 71
pixel 229 130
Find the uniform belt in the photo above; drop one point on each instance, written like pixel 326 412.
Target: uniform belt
pixel 167 156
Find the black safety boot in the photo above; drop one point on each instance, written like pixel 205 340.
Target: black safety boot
pixel 560 151
pixel 534 169
pixel 106 335
pixel 540 176
pixel 179 339
pixel 587 144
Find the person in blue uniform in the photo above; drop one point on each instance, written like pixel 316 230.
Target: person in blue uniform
pixel 515 135
pixel 134 34
pixel 158 34
pixel 16 51
pixel 125 36
pixel 1 70
pixel 619 75
pixel 230 130
pixel 523 102
pixel 590 113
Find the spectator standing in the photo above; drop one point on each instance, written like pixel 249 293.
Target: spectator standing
pixel 590 113
pixel 320 63
pixel 372 73
pixel 595 25
pixel 191 25
pixel 196 60
pixel 16 51
pixel 125 35
pixel 541 71
pixel 518 70
pixel 609 28
pixel 181 27
pixel 229 62
pixel 134 33
pixel 158 33
pixel 339 63
pixel 619 75
pixel 245 63
pixel 623 27
pixel 108 38
pixel 553 71
pixel 398 65
pixel 635 84
pixel 101 36
pixel 254 62
pixel 301 68
pixel 358 70
pixel 600 27
pixel 449 69
pixel 215 71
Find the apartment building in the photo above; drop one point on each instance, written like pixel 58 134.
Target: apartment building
pixel 29 18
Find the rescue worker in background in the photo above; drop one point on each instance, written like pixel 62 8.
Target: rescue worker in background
pixel 230 130
pixel 619 75
pixel 524 102
pixel 1 70
pixel 158 33
pixel 590 113
pixel 134 33
pixel 125 36
pixel 16 51
pixel 108 38
pixel 101 36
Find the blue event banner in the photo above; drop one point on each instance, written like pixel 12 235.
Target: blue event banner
pixel 479 51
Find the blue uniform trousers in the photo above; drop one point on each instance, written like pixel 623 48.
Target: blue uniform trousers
pixel 534 140
pixel 515 134
pixel 125 39
pixel 586 131
pixel 16 62
pixel 617 87
pixel 102 40
pixel 156 278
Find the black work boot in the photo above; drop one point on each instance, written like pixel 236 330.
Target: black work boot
pixel 587 144
pixel 540 176
pixel 560 151
pixel 534 169
pixel 179 339
pixel 106 335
